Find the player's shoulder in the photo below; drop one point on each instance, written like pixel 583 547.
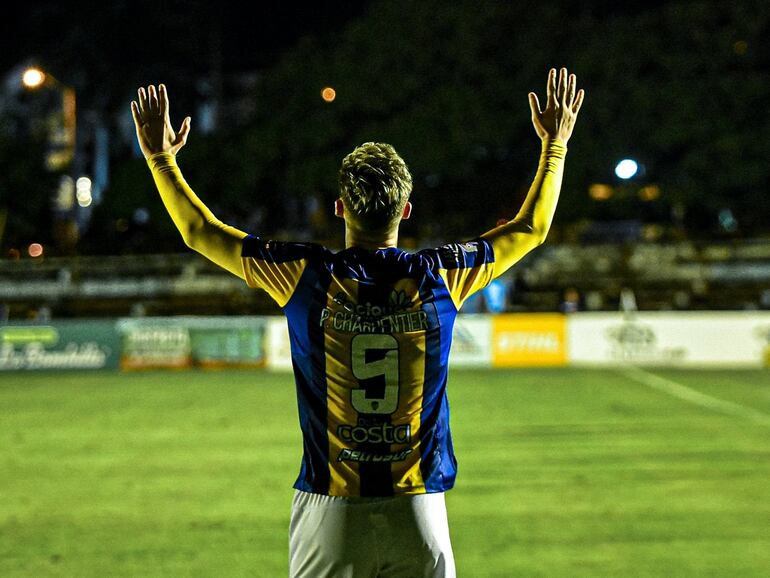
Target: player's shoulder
pixel 471 253
pixel 281 251
pixel 384 264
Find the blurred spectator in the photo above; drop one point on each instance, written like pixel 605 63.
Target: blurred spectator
pixel 495 296
pixel 682 300
pixel 570 301
pixel 627 300
pixel 594 301
pixel 40 315
pixel 138 310
pixel 43 314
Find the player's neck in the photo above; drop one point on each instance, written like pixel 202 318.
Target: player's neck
pixel 355 237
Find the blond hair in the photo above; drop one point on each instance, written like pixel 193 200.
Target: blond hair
pixel 374 185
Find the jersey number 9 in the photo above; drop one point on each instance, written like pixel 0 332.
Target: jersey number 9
pixel 375 357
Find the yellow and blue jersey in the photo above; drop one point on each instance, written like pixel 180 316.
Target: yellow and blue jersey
pixel 370 334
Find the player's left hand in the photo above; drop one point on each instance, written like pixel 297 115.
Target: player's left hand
pixel 558 118
pixel 153 123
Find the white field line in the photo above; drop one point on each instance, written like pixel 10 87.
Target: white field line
pixel 693 396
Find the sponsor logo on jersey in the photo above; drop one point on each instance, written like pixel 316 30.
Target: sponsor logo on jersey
pixel 377 433
pixel 397 301
pixel 350 455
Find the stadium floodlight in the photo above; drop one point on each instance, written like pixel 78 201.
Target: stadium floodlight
pixel 626 169
pixel 33 77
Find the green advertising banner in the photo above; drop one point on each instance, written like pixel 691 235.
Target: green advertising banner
pixel 177 342
pixel 59 345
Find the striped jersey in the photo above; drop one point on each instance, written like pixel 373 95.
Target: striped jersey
pixel 370 334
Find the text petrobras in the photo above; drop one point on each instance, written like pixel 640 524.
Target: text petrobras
pixel 350 455
pixel 378 433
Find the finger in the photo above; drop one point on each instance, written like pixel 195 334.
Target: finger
pixel 162 100
pixel 551 90
pixel 534 104
pixel 164 108
pixel 136 114
pixel 184 131
pixel 571 84
pixel 143 105
pixel 154 107
pixel 562 89
pixel 578 101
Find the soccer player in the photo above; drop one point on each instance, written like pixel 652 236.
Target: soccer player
pixel 370 329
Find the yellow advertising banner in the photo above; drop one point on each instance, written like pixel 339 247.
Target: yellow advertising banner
pixel 536 339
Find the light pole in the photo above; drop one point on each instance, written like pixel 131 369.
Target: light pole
pixel 61 157
pixel 63 137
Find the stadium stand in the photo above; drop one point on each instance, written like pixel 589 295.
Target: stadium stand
pixel 683 275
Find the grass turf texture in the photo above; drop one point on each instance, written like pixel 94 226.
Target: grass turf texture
pixel 562 473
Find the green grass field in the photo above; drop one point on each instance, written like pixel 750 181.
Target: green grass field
pixel 562 473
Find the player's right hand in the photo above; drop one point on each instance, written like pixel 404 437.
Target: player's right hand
pixel 558 118
pixel 153 123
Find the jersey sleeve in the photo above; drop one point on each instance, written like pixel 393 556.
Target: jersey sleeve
pixel 464 267
pixel 274 266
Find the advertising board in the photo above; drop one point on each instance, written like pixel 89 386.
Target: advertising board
pixel 59 345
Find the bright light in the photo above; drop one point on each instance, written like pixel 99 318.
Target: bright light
pixel 600 192
pixel 33 77
pixel 328 94
pixel 83 191
pixel 626 168
pixel 35 250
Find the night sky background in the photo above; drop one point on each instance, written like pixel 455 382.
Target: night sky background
pixel 682 87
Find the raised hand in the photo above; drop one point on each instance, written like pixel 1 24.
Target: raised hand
pixel 558 118
pixel 153 124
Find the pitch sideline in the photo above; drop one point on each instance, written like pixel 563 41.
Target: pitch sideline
pixel 693 396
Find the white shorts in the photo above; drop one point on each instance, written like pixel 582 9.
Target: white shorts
pixel 339 537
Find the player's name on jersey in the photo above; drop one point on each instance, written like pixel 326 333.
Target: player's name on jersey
pixel 348 322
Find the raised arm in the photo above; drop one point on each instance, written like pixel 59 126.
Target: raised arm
pixel 517 237
pixel 200 229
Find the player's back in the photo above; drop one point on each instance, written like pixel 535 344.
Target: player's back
pixel 370 335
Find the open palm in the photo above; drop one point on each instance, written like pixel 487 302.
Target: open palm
pixel 153 123
pixel 562 107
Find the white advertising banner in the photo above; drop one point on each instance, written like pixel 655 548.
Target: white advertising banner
pixel 678 339
pixel 278 347
pixel 695 339
pixel 471 341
